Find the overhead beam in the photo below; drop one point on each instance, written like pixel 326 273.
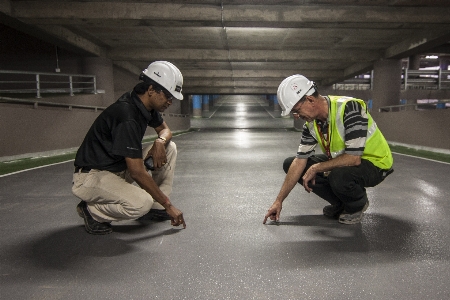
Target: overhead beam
pixel 211 14
pixel 353 70
pixel 418 43
pixel 145 54
pixel 70 37
pixel 5 7
pixel 229 90
pixel 261 82
pixel 257 73
pixel 127 66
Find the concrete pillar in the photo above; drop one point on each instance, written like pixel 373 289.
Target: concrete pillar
pixel 444 62
pixel 205 103
pixel 386 83
pixel 276 105
pixel 414 62
pixel 184 105
pixel 102 68
pixel 197 106
pixel 269 99
pixel 212 101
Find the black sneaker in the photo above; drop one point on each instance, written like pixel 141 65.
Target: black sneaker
pixel 158 215
pixel 333 211
pixel 91 225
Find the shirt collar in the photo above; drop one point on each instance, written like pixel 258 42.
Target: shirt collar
pixel 141 107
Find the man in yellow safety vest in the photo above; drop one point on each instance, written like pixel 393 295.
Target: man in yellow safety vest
pixel 355 152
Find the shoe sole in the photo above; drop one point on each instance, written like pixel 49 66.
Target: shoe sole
pixel 86 225
pixel 366 206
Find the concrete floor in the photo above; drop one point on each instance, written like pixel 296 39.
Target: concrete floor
pixel 228 174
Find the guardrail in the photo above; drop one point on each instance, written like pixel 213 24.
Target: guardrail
pixel 411 79
pixel 433 79
pixel 415 106
pixel 19 82
pixel 37 103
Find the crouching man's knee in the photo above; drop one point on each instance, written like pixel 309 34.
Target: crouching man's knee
pixel 139 206
pixel 171 148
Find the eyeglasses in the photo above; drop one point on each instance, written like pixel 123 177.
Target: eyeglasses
pixel 296 112
pixel 166 93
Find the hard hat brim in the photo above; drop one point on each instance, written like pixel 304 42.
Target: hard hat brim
pixel 177 95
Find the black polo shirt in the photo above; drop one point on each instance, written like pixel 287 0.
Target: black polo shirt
pixel 117 133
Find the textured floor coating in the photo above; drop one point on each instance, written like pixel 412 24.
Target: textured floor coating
pixel 227 175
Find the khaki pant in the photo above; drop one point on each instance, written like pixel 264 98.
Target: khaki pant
pixel 114 197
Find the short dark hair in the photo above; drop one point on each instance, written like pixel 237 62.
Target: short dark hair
pixel 141 88
pixel 146 82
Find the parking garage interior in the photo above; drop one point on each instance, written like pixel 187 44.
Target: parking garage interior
pixel 233 55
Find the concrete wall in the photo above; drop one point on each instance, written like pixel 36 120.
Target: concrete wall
pixel 427 128
pixel 25 130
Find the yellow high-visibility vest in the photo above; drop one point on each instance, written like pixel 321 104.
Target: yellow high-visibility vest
pixel 376 149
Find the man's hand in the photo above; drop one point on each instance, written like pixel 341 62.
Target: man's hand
pixel 274 212
pixel 158 152
pixel 176 215
pixel 309 176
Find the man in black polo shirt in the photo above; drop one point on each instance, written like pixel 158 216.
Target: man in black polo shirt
pixel 111 157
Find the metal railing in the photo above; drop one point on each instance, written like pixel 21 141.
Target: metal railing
pixel 361 82
pixel 416 106
pixel 428 79
pixel 21 82
pixel 411 79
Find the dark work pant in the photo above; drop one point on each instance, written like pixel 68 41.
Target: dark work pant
pixel 344 185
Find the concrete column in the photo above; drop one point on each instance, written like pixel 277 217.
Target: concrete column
pixel 269 100
pixel 102 68
pixel 276 105
pixel 444 63
pixel 205 102
pixel 197 106
pixel 414 62
pixel 212 102
pixel 386 83
pixel 184 105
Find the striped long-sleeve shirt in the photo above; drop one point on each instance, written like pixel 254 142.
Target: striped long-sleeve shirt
pixel 355 123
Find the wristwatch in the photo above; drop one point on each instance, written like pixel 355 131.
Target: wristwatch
pixel 162 138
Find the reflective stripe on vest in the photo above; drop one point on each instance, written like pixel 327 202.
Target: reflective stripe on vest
pixel 380 156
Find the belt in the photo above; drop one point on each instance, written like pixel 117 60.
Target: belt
pixel 82 169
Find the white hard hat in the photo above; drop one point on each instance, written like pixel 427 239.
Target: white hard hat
pixel 167 75
pixel 292 89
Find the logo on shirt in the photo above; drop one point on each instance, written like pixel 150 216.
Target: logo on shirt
pixel 131 148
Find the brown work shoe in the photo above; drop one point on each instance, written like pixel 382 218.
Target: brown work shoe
pixel 92 226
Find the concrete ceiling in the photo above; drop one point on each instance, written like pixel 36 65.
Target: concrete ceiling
pixel 240 47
